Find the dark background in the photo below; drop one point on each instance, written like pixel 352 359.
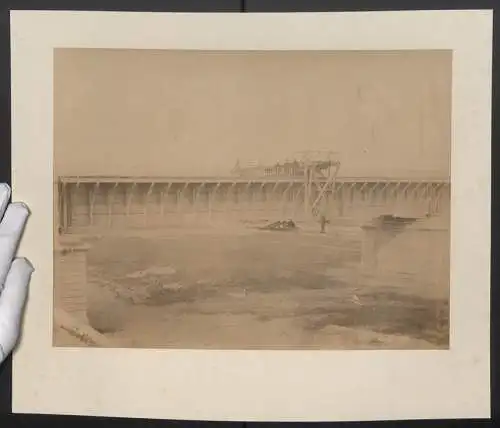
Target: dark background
pixel 8 420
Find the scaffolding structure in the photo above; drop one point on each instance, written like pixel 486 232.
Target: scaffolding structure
pixel 319 170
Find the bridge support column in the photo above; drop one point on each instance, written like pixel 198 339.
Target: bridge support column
pixel 438 198
pixel 64 208
pixel 262 197
pixel 307 194
pixel 92 195
pixel 372 193
pixel 181 199
pixel 431 196
pixel 70 277
pixel 285 199
pixel 110 200
pixel 248 196
pixel 338 197
pixel 64 211
pixel 129 196
pixel 295 200
pixel 196 198
pixel 164 195
pixel 251 197
pixel 435 194
pixel 212 200
pixel 228 195
pixel 146 203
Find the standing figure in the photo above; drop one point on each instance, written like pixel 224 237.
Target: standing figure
pixel 323 219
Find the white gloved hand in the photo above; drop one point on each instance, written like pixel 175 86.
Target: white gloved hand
pixel 15 273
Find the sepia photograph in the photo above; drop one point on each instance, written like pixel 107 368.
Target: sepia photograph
pixel 252 199
pixel 299 214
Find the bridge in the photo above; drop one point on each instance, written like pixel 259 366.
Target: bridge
pixel 83 202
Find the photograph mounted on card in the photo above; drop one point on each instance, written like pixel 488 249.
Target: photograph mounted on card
pixel 228 207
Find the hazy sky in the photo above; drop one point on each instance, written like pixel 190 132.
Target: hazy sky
pixel 146 112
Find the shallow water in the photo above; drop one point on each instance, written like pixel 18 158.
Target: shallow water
pixel 265 290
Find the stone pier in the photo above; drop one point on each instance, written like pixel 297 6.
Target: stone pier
pixel 70 277
pixel 420 249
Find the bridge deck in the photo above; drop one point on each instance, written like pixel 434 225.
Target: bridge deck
pixel 229 179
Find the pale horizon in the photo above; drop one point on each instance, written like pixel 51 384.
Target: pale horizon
pixel 194 113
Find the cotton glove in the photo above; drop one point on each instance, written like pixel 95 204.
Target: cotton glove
pixel 15 273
